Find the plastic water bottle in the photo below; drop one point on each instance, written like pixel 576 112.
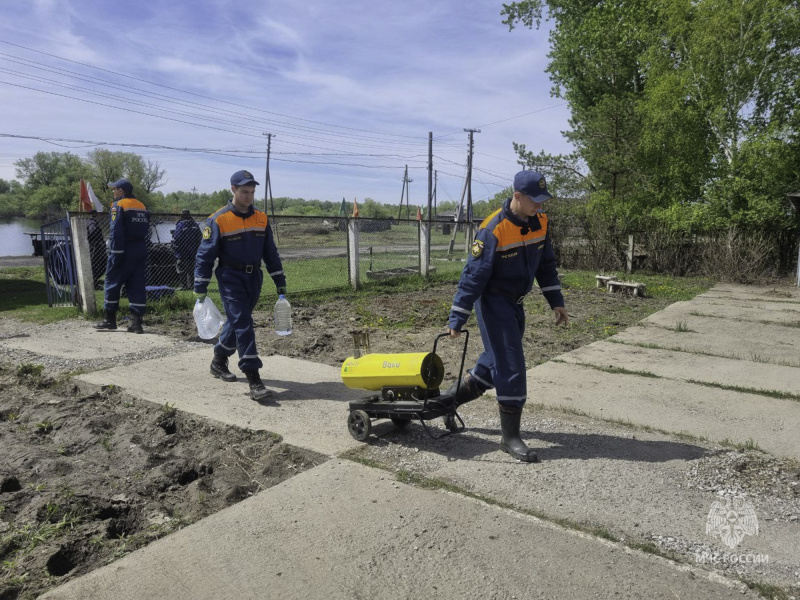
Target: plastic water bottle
pixel 283 316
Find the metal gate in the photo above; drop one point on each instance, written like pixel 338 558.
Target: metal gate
pixel 59 264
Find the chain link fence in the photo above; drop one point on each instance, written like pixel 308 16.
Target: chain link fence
pixel 316 250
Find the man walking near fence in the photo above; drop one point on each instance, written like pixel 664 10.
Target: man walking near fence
pixel 511 249
pixel 127 257
pixel 240 237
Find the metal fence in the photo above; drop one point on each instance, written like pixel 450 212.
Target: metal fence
pixel 315 251
pixel 59 264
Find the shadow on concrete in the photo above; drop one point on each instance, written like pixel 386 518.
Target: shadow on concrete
pixel 292 390
pixel 572 446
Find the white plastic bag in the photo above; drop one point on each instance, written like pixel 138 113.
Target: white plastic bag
pixel 208 319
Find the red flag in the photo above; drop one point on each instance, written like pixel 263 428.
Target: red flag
pixel 355 208
pixel 86 202
pixel 419 214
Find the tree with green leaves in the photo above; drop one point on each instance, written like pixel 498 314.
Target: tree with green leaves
pixel 107 167
pixel 50 182
pixel 595 64
pixel 678 107
pixel 727 70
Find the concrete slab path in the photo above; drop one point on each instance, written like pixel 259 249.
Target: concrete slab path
pixel 344 530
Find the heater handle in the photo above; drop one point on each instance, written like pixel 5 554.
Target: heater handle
pixel 463 357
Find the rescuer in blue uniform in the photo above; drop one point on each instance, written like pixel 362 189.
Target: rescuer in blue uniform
pixel 510 250
pixel 240 237
pixel 127 257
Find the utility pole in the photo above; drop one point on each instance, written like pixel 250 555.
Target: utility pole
pixel 469 185
pixel 267 184
pixel 467 189
pixel 430 175
pixel 435 183
pixel 268 188
pixel 406 181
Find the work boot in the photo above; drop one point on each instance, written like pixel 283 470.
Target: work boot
pixel 219 368
pixel 109 321
pixel 468 391
pixel 510 417
pixel 136 324
pixel 257 390
pixel 456 395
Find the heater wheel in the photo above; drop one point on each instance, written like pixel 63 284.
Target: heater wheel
pixel 359 425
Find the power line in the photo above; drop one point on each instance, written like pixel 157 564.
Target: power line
pixel 533 112
pixel 129 77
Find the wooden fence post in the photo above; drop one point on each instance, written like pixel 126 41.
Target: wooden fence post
pixel 424 248
pixel 352 253
pixel 630 253
pixel 83 264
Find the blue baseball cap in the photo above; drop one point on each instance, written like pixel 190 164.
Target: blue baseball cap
pixel 242 178
pixel 125 185
pixel 532 184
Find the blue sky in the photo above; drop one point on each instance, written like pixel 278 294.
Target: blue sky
pixel 348 88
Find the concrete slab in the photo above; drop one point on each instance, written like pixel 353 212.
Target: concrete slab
pixel 765 344
pixel 753 303
pixel 344 531
pixel 65 338
pixel 678 407
pixel 686 366
pixel 725 328
pixel 309 408
pixel 780 313
pixel 594 472
pixel 753 292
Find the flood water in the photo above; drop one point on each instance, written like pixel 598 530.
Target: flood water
pixel 13 241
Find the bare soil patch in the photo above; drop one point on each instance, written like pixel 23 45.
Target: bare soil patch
pixel 88 478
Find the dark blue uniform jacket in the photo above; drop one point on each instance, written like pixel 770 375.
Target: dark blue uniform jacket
pixel 130 228
pixel 506 257
pixel 239 241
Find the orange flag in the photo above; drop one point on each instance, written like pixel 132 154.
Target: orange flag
pixel 86 201
pixel 355 208
pixel 419 214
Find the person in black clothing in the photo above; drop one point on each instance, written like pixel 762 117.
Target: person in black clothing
pixel 186 238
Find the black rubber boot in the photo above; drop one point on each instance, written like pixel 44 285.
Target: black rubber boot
pixel 257 389
pixel 109 321
pixel 510 417
pixel 456 394
pixel 468 391
pixel 136 324
pixel 219 368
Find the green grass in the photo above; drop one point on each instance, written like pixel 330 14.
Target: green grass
pixel 23 295
pixel 612 370
pixel 749 390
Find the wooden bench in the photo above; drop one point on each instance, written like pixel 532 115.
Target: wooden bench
pixel 636 288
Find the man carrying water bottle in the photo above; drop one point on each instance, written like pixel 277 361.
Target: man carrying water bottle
pixel 239 236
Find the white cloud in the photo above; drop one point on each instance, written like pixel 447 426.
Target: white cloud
pixel 354 76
